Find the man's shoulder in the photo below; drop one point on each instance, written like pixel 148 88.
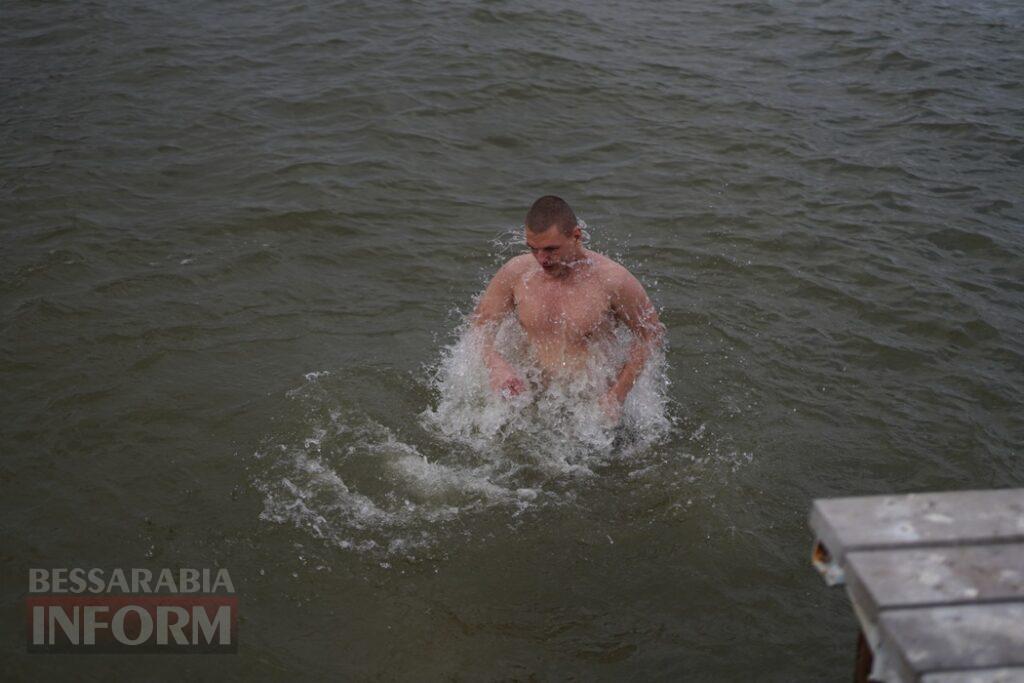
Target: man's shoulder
pixel 517 265
pixel 611 271
pixel 514 269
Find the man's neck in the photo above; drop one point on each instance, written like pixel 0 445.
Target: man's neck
pixel 574 269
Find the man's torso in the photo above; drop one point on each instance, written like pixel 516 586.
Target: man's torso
pixel 563 317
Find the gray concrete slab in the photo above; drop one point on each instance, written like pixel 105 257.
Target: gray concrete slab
pixel 844 525
pixel 900 578
pixel 932 640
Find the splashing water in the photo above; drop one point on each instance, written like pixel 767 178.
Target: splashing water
pixel 389 481
pixel 555 426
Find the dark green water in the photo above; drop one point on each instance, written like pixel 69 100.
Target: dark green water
pixel 202 203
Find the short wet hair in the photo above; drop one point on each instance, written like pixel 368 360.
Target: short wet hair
pixel 550 210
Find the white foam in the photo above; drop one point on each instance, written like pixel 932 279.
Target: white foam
pixel 559 422
pixel 350 480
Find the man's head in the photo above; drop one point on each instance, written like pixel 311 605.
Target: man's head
pixel 553 234
pixel 551 211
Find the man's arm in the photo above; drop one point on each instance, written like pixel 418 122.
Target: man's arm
pixel 631 305
pixel 494 305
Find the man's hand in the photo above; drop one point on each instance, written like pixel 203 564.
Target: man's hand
pixel 507 382
pixel 611 406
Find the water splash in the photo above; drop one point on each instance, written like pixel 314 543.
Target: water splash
pixel 557 426
pixel 390 481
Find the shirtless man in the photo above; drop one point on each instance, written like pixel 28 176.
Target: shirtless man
pixel 566 297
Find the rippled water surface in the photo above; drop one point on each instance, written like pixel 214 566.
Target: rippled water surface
pixel 238 242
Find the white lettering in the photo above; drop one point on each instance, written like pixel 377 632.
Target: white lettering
pixel 38 624
pixel 67 624
pixel 201 621
pixel 223 580
pixel 38 580
pixel 96 581
pixel 77 578
pixel 117 579
pixel 145 625
pixel 166 582
pixel 189 581
pixel 177 628
pixel 91 624
pixel 140 580
pixel 59 579
pixel 128 581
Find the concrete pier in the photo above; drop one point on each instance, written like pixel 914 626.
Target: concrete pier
pixel 935 579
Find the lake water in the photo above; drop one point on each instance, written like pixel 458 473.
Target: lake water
pixel 239 241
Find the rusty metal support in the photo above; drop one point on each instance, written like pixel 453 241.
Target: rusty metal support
pixel 865 659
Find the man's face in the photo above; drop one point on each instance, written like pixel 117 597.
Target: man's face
pixel 553 250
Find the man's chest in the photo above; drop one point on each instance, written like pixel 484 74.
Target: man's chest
pixel 553 308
